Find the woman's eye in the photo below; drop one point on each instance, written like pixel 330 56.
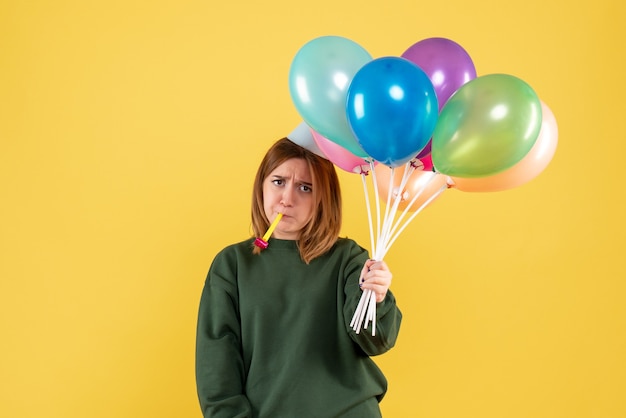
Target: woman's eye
pixel 278 182
pixel 306 188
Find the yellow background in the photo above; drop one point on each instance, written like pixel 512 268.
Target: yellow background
pixel 129 135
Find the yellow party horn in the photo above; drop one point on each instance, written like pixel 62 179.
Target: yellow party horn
pixel 262 242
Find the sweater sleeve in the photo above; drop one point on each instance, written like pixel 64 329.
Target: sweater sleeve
pixel 388 315
pixel 220 375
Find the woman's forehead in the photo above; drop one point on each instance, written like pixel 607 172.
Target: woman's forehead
pixel 293 168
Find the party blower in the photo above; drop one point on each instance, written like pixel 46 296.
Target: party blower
pixel 262 242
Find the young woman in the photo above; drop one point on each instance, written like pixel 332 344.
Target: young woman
pixel 274 337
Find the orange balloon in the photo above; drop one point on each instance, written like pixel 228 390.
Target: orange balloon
pixel 426 183
pixel 526 169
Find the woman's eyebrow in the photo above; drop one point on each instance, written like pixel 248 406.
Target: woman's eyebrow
pixel 297 181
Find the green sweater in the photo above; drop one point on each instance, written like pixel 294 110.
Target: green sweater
pixel 274 337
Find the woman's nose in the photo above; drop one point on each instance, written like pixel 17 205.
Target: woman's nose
pixel 287 198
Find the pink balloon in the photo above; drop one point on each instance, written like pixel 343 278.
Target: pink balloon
pixel 527 169
pixel 446 63
pixel 340 156
pixel 427 162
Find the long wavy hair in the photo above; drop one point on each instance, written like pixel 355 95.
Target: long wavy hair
pixel 322 230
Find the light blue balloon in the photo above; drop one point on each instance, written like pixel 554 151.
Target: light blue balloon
pixel 392 109
pixel 319 77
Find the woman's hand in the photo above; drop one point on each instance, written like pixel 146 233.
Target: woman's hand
pixel 376 277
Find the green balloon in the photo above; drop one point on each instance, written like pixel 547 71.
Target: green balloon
pixel 486 127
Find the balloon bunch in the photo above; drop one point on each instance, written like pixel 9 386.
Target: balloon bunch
pixel 420 123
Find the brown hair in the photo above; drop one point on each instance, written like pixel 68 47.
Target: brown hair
pixel 322 230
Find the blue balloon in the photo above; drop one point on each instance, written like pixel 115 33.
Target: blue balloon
pixel 392 109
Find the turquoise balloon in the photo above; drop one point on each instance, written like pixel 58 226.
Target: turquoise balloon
pixel 486 127
pixel 319 77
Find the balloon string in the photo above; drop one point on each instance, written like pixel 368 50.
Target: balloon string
pixel 357 318
pixel 395 234
pixel 359 313
pixel 388 227
pixel 362 309
pixel 386 234
pixel 388 213
pixel 426 203
pixel 376 200
pixel 385 228
pixel 369 210
pixel 366 308
pixel 365 312
pixel 371 313
pixel 430 177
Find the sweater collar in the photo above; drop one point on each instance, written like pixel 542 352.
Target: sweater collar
pixel 283 244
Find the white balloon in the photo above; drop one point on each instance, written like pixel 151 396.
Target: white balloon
pixel 302 136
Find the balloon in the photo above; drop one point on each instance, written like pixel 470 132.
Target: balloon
pixel 426 150
pixel 447 65
pixel 302 136
pixel 426 162
pixel 426 182
pixel 527 169
pixel 340 156
pixel 319 78
pixel 487 126
pixel 392 109
pixel 445 62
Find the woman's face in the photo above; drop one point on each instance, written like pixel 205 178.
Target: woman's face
pixel 289 190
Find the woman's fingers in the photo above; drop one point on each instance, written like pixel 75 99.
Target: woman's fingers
pixel 376 277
